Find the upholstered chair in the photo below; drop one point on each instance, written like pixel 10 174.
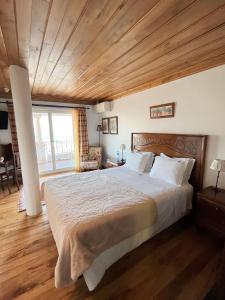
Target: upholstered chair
pixel 93 161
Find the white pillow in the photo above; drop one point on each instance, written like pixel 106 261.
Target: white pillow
pixel 136 161
pixel 189 165
pixel 169 170
pixel 150 156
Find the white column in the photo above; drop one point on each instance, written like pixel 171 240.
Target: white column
pixel 23 114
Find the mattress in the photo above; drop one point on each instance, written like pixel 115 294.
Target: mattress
pixel 172 203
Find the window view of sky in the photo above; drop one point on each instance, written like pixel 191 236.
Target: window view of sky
pixel 61 124
pixel 62 127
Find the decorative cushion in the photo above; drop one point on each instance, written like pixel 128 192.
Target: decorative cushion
pixel 89 165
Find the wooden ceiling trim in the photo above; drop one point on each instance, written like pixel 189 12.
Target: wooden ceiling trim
pixel 39 20
pixel 71 20
pixel 160 14
pixel 51 98
pixel 146 68
pixel 23 23
pixel 175 66
pixel 204 65
pixel 118 26
pixel 164 33
pixel 62 100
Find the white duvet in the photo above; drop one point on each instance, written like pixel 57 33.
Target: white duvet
pixel 171 203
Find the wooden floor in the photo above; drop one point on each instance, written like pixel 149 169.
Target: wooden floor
pixel 180 263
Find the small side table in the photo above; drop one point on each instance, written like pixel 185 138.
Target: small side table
pixel 210 212
pixel 210 215
pixel 112 164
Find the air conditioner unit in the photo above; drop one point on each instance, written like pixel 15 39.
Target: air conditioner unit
pixel 102 107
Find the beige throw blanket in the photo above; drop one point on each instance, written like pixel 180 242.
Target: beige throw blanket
pixel 89 213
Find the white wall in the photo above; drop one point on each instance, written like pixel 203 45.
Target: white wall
pixel 200 109
pixel 93 120
pixel 5 135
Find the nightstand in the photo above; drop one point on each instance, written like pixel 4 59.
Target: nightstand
pixel 111 164
pixel 210 211
pixel 210 215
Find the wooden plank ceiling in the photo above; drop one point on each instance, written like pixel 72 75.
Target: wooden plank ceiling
pixel 91 50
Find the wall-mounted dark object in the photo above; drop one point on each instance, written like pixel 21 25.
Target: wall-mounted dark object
pixel 3 120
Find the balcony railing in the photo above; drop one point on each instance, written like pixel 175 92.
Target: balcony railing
pixel 64 150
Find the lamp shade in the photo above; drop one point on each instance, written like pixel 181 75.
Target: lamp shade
pixel 218 165
pixel 122 146
pixel 99 127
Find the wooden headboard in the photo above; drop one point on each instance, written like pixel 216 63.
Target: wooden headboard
pixel 175 145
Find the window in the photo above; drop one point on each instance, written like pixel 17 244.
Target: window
pixel 54 139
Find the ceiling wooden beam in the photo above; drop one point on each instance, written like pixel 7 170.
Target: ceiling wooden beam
pixel 52 99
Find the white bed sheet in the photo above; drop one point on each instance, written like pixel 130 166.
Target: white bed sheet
pixel 172 203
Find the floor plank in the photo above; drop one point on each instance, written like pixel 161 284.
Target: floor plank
pixel 180 263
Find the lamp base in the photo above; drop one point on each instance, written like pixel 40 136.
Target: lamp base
pixel 217 179
pixel 216 190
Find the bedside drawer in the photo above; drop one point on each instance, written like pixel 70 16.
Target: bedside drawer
pixel 211 216
pixel 211 210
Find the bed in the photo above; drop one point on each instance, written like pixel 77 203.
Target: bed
pixel 97 217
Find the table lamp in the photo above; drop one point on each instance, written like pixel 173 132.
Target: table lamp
pixel 122 147
pixel 219 166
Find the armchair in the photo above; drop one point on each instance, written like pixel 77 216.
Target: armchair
pixel 93 161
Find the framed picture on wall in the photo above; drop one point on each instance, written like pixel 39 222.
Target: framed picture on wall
pixel 105 125
pixel 113 125
pixel 166 110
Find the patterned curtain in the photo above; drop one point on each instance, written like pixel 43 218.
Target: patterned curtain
pixel 12 123
pixel 83 134
pixel 80 136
